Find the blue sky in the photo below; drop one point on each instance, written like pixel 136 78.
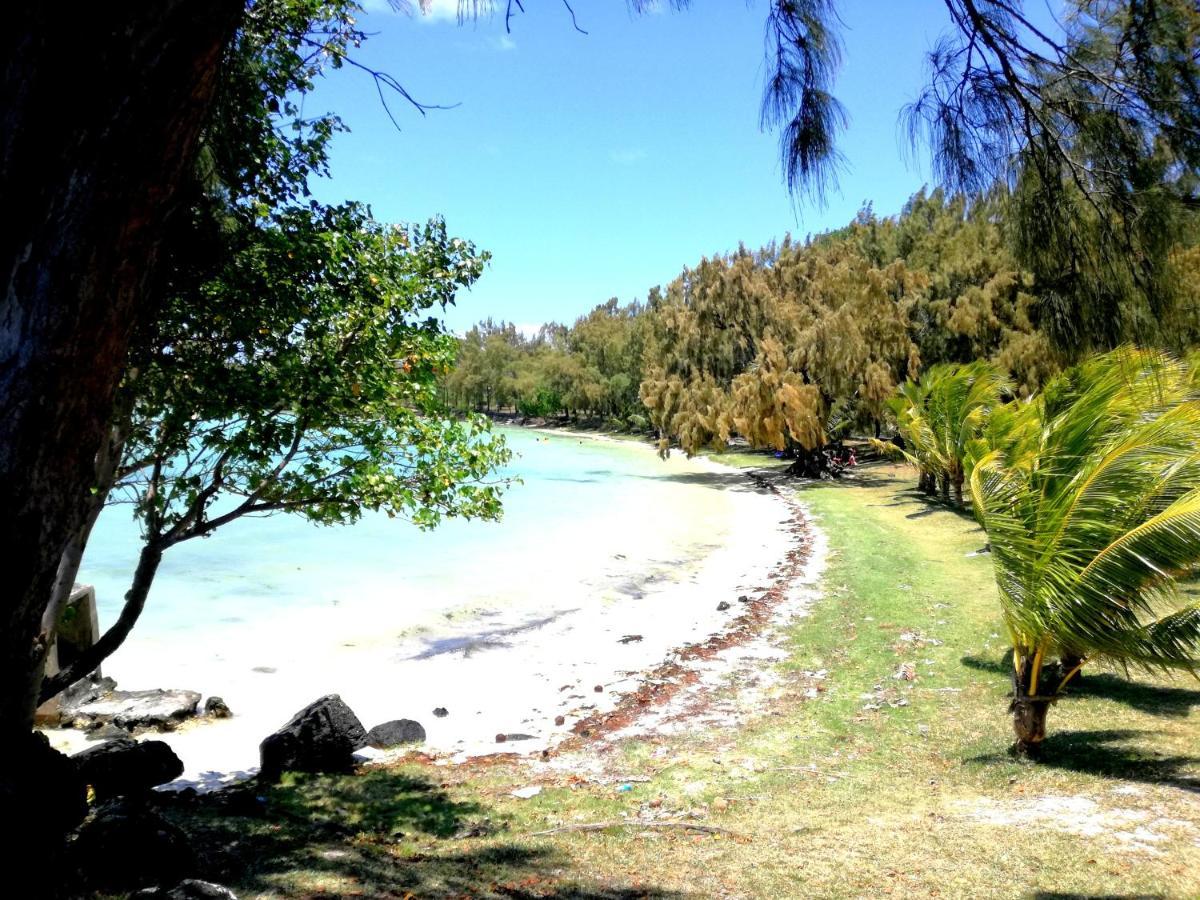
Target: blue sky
pixel 597 165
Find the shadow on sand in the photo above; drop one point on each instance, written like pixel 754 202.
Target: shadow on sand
pixel 722 480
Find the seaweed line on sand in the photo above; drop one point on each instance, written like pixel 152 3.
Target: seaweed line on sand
pixel 680 674
pixel 660 686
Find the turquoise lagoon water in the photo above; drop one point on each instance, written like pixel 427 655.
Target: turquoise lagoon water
pixel 606 560
pixel 600 518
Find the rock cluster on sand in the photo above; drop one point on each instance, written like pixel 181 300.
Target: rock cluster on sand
pixel 125 766
pixel 322 737
pixel 395 733
pixel 95 702
pixel 122 843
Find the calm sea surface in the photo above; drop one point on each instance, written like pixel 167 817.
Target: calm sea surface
pixel 590 518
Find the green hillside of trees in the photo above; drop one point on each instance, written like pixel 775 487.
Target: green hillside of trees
pixel 797 341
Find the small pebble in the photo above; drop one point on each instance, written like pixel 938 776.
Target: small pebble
pixel 217 708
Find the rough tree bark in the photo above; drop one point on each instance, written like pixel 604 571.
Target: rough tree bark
pixel 809 463
pixel 108 461
pixel 1029 724
pixel 100 109
pixel 1032 700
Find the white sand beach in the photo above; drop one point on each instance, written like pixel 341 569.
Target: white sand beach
pixel 568 628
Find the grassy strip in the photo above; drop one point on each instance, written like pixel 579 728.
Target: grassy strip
pixel 876 767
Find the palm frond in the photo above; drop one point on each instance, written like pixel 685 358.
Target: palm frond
pixel 1090 496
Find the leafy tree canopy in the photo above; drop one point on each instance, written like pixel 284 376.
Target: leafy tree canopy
pixel 292 363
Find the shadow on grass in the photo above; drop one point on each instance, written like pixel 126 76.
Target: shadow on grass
pixel 928 503
pixel 375 834
pixel 1153 699
pixel 1110 753
pixel 931 503
pixel 1059 895
pixel 869 474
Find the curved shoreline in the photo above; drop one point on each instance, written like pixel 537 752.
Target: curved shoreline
pixel 537 671
pixel 662 686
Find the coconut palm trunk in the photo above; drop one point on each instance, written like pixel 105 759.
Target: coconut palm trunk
pixel 1029 723
pixel 1034 692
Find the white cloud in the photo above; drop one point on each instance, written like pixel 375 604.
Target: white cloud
pixel 423 10
pixel 434 11
pixel 627 156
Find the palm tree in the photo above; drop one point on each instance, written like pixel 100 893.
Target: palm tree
pixel 960 401
pixel 908 409
pixel 1092 513
pixel 942 416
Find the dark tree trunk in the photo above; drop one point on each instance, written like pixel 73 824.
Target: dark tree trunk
pixel 1029 724
pixel 809 463
pixel 958 490
pixel 945 484
pixel 101 106
pixel 1031 703
pixel 114 637
pixel 107 462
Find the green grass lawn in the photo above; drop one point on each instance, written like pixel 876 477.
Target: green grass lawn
pixel 878 766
